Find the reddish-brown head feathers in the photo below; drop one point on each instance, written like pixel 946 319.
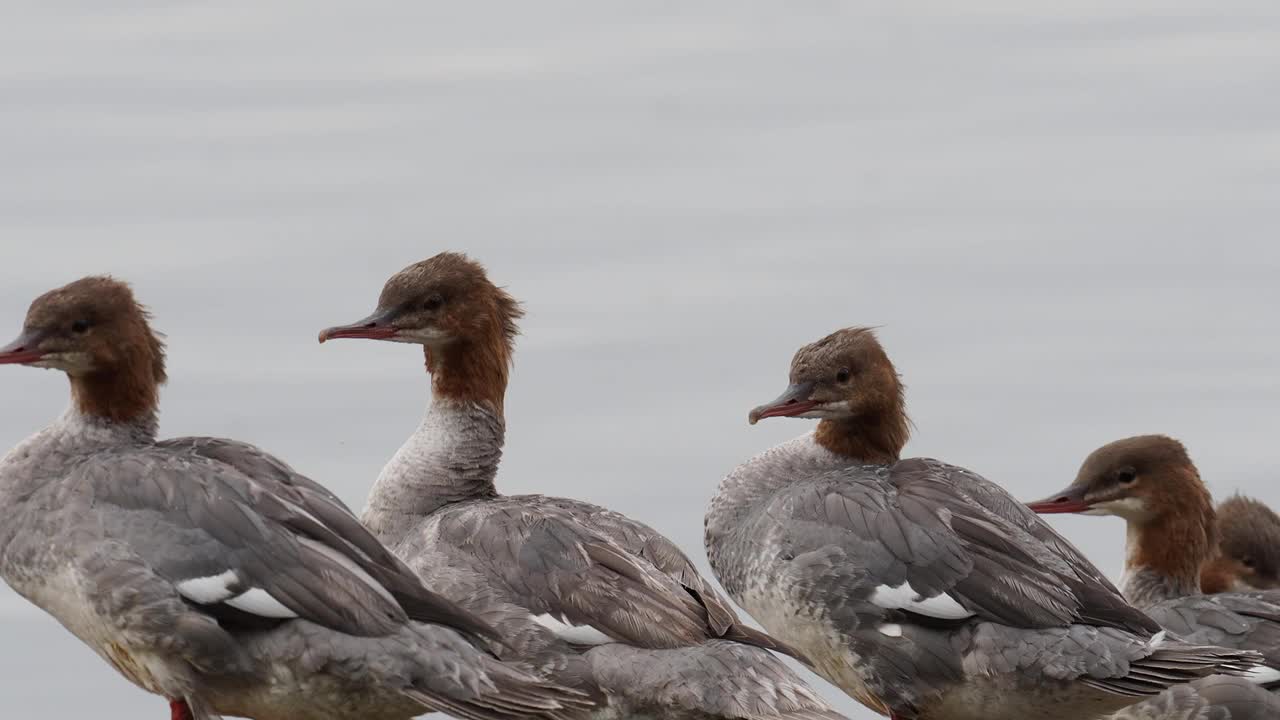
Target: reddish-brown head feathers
pixel 94 330
pixel 1151 482
pixel 849 367
pixel 467 325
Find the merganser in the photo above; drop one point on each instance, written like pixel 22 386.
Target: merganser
pixel 1248 556
pixel 920 588
pixel 657 639
pixel 209 572
pixel 1150 481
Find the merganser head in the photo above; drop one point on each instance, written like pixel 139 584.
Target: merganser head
pixel 1248 555
pixel 1141 479
pixel 847 381
pixel 100 336
pixel 435 302
pixel 465 323
pixel 842 376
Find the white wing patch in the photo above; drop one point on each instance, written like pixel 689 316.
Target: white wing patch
pixel 576 634
pixel 209 590
pixel 1262 675
pixel 216 589
pixel 905 597
pixel 890 629
pixel 259 602
pixel 1156 640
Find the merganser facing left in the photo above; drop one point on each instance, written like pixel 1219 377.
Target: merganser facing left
pixel 1248 556
pixel 1150 481
pixel 920 588
pixel 210 573
pixel 629 608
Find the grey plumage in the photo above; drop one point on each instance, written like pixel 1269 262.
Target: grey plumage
pixel 310 508
pixel 1247 621
pixel 672 645
pixel 202 577
pixel 593 598
pixel 919 585
pixel 653 684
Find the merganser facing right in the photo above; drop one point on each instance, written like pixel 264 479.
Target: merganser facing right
pixel 920 588
pixel 1248 556
pixel 207 571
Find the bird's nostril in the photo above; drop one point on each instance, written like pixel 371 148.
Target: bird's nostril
pixel 791 401
pixel 1062 499
pixel 369 324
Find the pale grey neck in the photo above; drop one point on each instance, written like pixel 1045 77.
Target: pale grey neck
pixel 75 433
pixel 1145 586
pixel 453 456
pixel 757 479
pixel 45 456
pixel 92 431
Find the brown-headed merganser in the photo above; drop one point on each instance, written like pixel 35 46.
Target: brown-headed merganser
pixel 1248 556
pixel 1150 482
pixel 920 588
pixel 657 639
pixel 210 573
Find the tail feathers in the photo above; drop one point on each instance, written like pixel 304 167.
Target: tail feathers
pixel 1175 663
pixel 747 635
pixel 515 697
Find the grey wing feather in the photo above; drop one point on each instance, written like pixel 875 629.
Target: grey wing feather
pixel 193 519
pixel 642 541
pixel 948 532
pixel 553 561
pixel 253 462
pixel 325 518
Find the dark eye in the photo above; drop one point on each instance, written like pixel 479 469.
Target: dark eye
pixel 842 375
pixel 1126 475
pixel 80 326
pixel 433 303
pixel 1247 562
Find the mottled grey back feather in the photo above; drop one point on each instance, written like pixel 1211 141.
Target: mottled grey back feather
pixel 553 558
pixel 750 684
pixel 1246 621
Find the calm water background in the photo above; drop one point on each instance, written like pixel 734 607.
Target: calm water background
pixel 1064 217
